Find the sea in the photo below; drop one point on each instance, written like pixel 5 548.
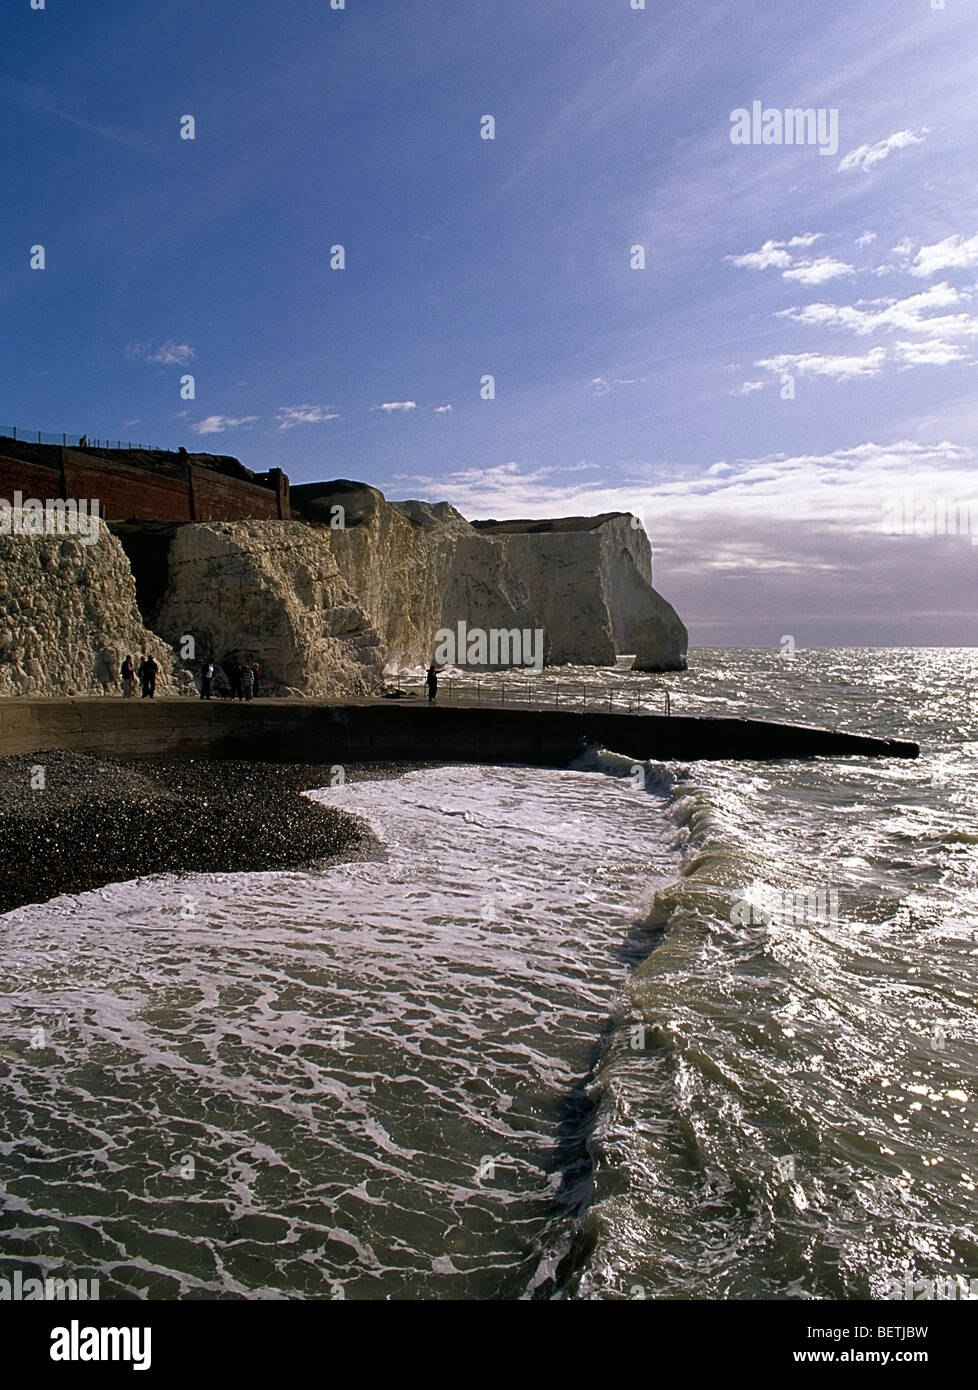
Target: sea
pixel 622 1030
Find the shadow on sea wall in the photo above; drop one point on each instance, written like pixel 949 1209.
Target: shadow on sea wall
pixel 310 731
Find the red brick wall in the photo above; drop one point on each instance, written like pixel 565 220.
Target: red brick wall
pixel 226 499
pixel 126 494
pixel 28 479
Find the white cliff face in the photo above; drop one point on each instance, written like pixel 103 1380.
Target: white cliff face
pixel 418 567
pixel 68 618
pixel 326 609
pixel 644 622
pixel 270 591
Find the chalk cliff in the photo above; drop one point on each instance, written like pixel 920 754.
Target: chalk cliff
pixel 68 618
pixel 589 579
pixel 270 591
pixel 418 567
pixel 328 603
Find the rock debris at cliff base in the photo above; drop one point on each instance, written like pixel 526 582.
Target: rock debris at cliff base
pixel 97 821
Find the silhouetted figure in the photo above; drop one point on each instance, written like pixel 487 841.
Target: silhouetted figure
pixel 233 670
pixel 256 671
pixel 206 680
pixel 431 681
pixel 128 675
pixel 147 675
pixel 248 682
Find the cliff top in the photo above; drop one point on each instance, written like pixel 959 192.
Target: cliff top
pixel 563 523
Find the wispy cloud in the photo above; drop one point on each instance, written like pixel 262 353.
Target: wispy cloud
pixel 748 388
pixel 818 271
pixel 217 424
pixel 839 368
pixel 865 157
pixel 911 314
pixel 953 253
pixel 931 353
pixel 776 255
pixel 288 416
pixel 442 409
pixel 168 354
pixel 49 103
pixel 390 406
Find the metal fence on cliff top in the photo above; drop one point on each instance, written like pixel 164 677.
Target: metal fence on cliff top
pixel 70 441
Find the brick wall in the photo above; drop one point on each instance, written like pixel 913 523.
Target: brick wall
pixel 180 490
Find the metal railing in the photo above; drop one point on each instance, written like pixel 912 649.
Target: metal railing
pixel 539 694
pixel 73 441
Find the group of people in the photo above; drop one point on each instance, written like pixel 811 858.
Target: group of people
pixel 147 673
pixel 236 681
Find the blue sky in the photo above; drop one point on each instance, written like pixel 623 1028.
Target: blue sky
pixel 800 347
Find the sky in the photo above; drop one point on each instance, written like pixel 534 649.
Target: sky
pixel 767 351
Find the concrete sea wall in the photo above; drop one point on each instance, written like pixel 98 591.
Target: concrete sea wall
pixel 310 731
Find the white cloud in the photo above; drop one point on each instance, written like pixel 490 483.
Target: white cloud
pixel 442 409
pixel 600 386
pixel 748 388
pixel 398 405
pixel 288 416
pixel 817 272
pixel 772 253
pixel 168 355
pixel 842 489
pixel 953 253
pixel 866 239
pixel 839 368
pixel 866 156
pixel 909 315
pixel 217 424
pixel 933 353
pixel 808 239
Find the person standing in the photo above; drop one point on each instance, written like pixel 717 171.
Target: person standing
pixel 248 682
pixel 256 669
pixel 147 674
pixel 206 679
pixel 128 678
pixel 431 681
